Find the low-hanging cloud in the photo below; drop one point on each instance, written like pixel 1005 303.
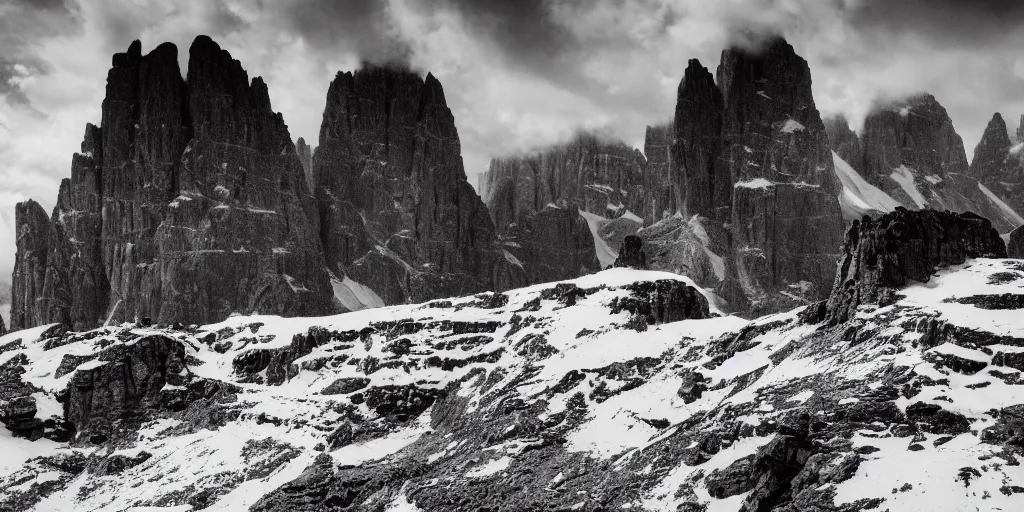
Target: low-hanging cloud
pixel 518 74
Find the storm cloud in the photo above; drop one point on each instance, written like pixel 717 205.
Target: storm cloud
pixel 518 75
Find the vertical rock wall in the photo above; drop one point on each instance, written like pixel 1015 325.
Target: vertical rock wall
pixel 187 204
pixel 397 213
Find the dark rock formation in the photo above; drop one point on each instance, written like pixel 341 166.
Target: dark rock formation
pixel 122 391
pixel 881 256
pixel 613 185
pixel 776 153
pixel 396 211
pixel 660 194
pixel 305 153
pixel 663 301
pixel 631 254
pixel 187 205
pixel 844 141
pixel 77 290
pixel 704 183
pixel 1015 245
pixel 553 244
pixel 746 166
pixel 596 173
pixel 32 229
pixel 686 247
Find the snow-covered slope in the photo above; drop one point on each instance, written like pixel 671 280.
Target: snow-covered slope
pixel 859 198
pixel 619 390
pixel 605 254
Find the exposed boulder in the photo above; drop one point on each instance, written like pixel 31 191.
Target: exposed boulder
pixel 663 301
pixel 397 214
pixel 631 254
pixel 693 387
pixel 882 255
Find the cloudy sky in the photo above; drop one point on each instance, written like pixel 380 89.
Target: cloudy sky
pixel 518 74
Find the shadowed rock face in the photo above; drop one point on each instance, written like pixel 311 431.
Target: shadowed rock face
pixel 396 211
pixel 32 228
pixel 599 175
pixel 76 289
pixel 705 186
pixel 187 205
pixel 776 152
pixel 1015 247
pixel 631 253
pixel 882 255
pixel 305 153
pixel 844 141
pixel 553 244
pixel 603 178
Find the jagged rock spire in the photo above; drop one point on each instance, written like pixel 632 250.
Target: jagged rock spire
pixel 398 214
pixel 32 229
pixel 187 205
pixel 776 153
pixel 698 125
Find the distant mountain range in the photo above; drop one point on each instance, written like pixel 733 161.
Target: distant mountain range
pixel 190 203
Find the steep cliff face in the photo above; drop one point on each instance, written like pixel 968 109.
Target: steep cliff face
pixel 597 173
pixel 396 212
pixel 701 176
pixel 776 153
pixel 844 141
pixel 188 204
pixel 244 223
pixel 32 227
pixel 601 179
pixel 659 194
pixel 553 244
pixel 305 152
pixel 913 154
